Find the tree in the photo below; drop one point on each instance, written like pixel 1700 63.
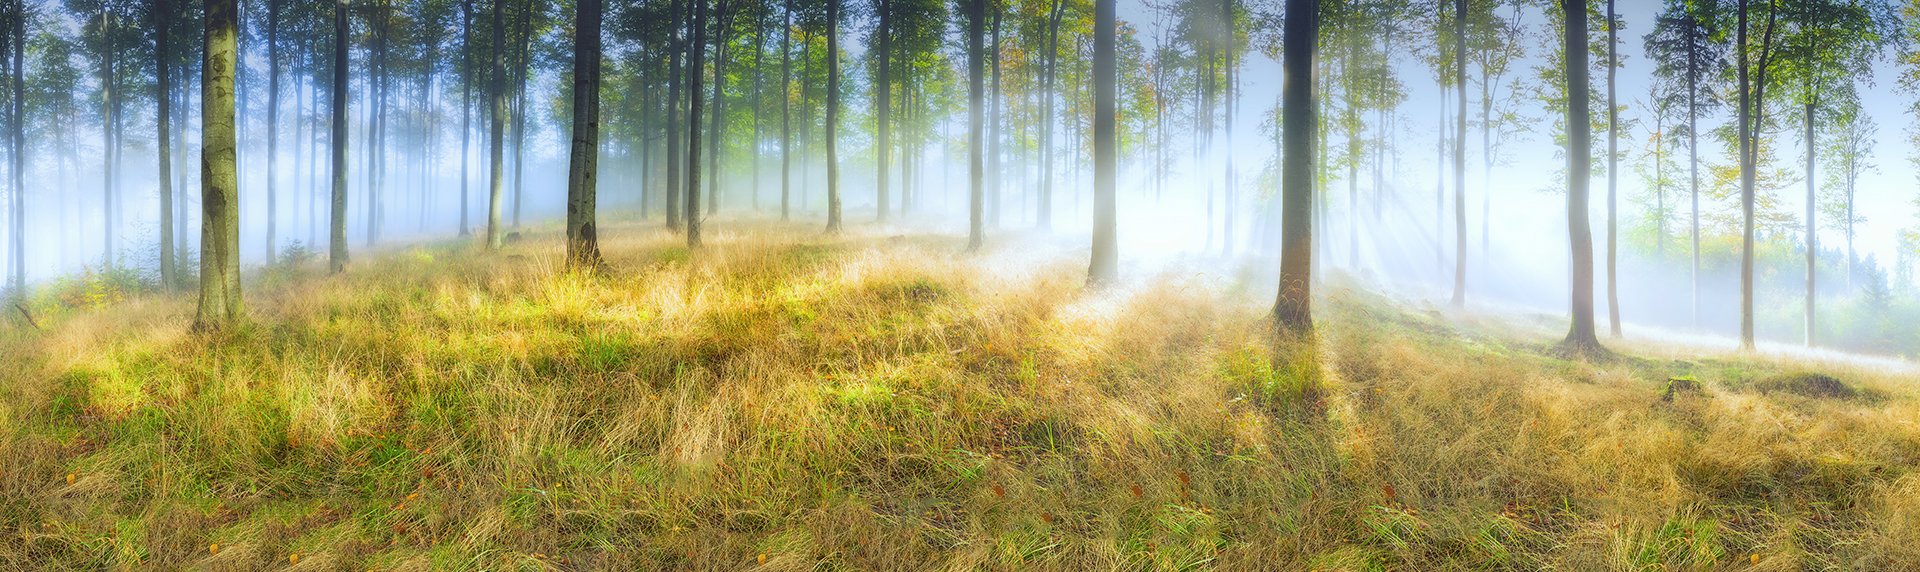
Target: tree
pixel 883 104
pixel 1848 154
pixel 695 53
pixel 1497 45
pixel 786 112
pixel 1104 269
pixel 1293 307
pixel 219 181
pixel 976 95
pixel 18 272
pixel 466 109
pixel 337 236
pixel 1581 339
pixel 833 116
pixel 1460 154
pixel 1689 52
pixel 1751 70
pixel 106 35
pixel 496 134
pixel 722 15
pixel 583 243
pixel 1613 172
pixel 1828 47
pixel 163 125
pixel 273 120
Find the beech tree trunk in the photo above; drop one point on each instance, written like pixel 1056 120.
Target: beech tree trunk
pixel 219 187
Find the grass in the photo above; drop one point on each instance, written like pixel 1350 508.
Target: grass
pixel 786 401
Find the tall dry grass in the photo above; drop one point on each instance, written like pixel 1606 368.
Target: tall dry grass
pixel 786 401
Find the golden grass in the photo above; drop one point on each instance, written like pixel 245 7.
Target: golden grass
pixel 786 401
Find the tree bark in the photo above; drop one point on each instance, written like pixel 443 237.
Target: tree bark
pixel 1581 339
pixel 163 18
pixel 1460 154
pixel 976 94
pixel 786 112
pixel 833 116
pixel 695 53
pixel 883 108
pixel 19 171
pixel 674 77
pixel 466 109
pixel 722 21
pixel 1229 200
pixel 496 133
pixel 583 244
pixel 1105 268
pixel 998 129
pixel 107 144
pixel 273 123
pixel 1813 237
pixel 220 193
pixel 1293 307
pixel 1693 158
pixel 1613 175
pixel 337 237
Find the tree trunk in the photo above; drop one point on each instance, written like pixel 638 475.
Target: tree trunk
pixel 1613 176
pixel 1813 238
pixel 522 63
pixel 999 135
pixel 1581 339
pixel 1105 268
pixel 1293 307
pixel 337 237
pixel 219 186
pixel 377 132
pixel 163 18
pixel 833 116
pixel 674 77
pixel 583 244
pixel 19 259
pixel 466 110
pixel 273 123
pixel 1050 74
pixel 1227 195
pixel 715 136
pixel 1693 163
pixel 883 108
pixel 1460 154
pixel 759 77
pixel 695 53
pixel 786 112
pixel 106 133
pixel 976 94
pixel 496 133
pixel 1352 122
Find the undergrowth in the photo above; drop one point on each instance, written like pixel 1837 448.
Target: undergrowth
pixel 786 401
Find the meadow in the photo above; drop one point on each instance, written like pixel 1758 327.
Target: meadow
pixel 785 400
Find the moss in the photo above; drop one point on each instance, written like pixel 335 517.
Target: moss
pixel 1807 384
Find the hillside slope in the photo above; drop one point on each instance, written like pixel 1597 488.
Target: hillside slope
pixel 786 401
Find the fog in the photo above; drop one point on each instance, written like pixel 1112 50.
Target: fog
pixel 1395 233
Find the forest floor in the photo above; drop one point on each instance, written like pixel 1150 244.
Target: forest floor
pixel 788 401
